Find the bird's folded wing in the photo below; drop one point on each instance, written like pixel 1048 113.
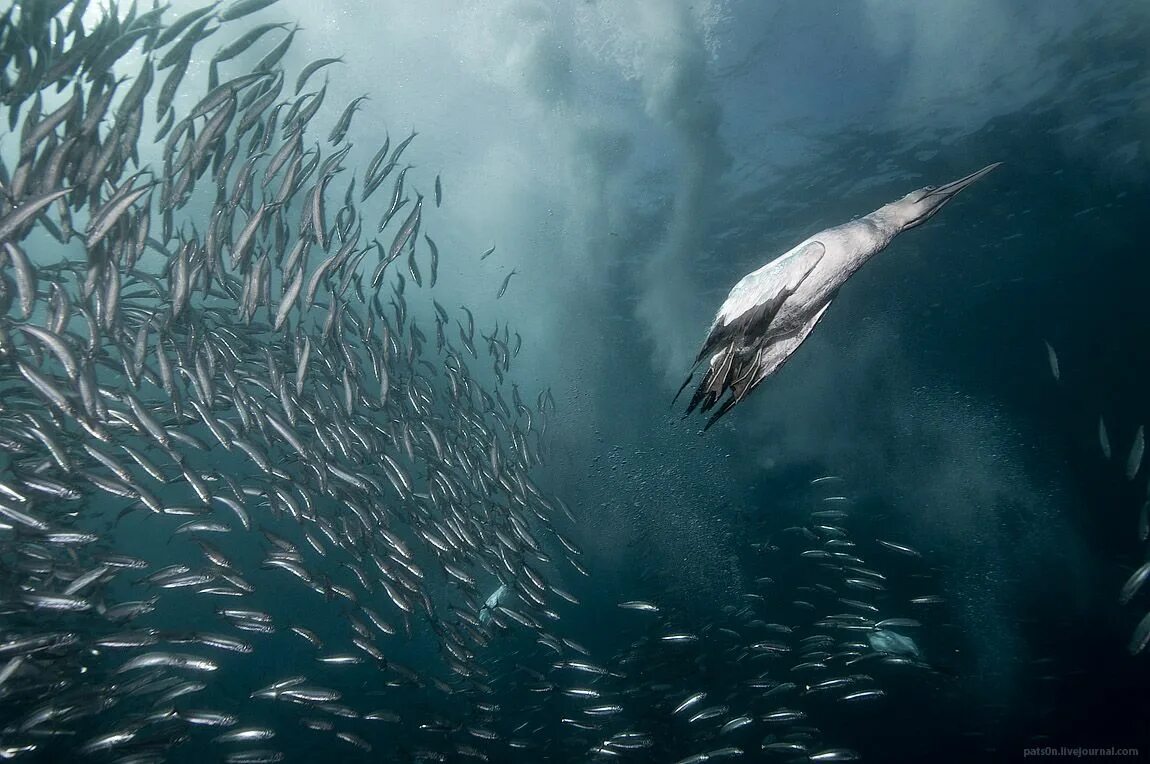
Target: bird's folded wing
pixel 757 298
pixel 763 364
pixel 775 355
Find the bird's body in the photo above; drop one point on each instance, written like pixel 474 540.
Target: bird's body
pixel 772 310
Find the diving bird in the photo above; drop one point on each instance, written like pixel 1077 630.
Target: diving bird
pixel 771 311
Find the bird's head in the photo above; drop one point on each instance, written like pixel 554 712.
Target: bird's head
pixel 917 207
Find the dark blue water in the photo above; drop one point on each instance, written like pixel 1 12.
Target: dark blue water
pixel 928 385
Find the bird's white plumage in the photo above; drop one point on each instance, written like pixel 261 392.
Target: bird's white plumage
pixel 781 274
pixel 771 311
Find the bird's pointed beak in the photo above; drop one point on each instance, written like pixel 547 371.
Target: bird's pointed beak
pixel 927 206
pixel 943 194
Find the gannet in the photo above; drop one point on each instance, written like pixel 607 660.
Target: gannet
pixel 771 311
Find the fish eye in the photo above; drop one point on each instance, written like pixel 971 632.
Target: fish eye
pixel 928 189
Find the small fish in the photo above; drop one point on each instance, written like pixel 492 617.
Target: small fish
pixel 784 715
pixel 1141 635
pixel 691 700
pixel 901 548
pixel 834 754
pixel 434 260
pixel 1134 459
pixel 1134 583
pixel 737 723
pixel 679 638
pixel 242 8
pixel 708 713
pixel 1052 357
pixel 929 599
pixel 245 41
pixel 506 281
pixel 311 69
pixel 896 622
pixel 246 735
pixel 639 605
pixel 27 211
pixel 344 122
pixel 1144 521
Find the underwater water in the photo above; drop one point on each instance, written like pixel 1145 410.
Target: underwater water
pixel 338 350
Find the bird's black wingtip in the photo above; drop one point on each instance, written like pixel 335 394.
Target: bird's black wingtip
pixel 683 387
pixel 727 406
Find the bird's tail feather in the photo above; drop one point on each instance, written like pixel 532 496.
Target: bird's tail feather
pixel 714 382
pixel 729 371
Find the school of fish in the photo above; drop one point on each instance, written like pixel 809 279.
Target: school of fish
pixel 1131 468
